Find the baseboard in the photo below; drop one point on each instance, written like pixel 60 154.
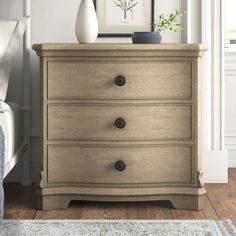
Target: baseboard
pixel 215 166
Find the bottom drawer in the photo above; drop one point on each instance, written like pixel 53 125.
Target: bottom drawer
pixel 119 165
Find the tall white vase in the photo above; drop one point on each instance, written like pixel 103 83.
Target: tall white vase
pixel 86 22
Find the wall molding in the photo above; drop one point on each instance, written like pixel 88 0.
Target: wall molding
pixel 186 33
pixel 206 64
pixel 230 133
pixel 232 59
pixel 215 155
pixel 230 76
pixel 230 73
pixel 217 52
pixel 230 145
pixel 232 160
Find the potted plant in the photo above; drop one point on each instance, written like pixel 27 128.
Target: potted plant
pixel 163 23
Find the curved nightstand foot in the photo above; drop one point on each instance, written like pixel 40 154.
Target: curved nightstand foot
pixel 185 202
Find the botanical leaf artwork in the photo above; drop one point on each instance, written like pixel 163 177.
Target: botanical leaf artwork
pixel 127 6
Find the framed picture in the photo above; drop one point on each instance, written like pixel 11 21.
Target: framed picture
pixel 120 18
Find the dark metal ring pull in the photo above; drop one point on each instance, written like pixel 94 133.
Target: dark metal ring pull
pixel 120 166
pixel 120 123
pixel 120 80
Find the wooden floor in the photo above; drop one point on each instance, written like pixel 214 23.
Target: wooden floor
pixel 220 203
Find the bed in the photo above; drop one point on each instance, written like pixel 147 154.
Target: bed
pixel 13 141
pixel 11 34
pixel 11 123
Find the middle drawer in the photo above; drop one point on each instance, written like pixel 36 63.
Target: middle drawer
pixel 103 122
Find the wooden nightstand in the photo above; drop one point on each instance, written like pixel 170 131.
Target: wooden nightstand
pixel 121 122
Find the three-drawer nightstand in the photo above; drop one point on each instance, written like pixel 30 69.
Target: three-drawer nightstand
pixel 121 122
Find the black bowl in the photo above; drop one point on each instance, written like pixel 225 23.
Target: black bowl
pixel 146 38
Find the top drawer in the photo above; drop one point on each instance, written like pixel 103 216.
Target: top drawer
pixel 142 80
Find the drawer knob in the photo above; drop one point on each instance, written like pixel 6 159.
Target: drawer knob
pixel 120 166
pixel 120 123
pixel 120 80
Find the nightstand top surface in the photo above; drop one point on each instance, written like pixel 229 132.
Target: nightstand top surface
pixel 123 46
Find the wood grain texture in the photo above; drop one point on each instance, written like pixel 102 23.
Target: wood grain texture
pixel 93 122
pixel 123 47
pixel 111 50
pixel 160 103
pixel 223 197
pixel 19 202
pixel 179 201
pixel 75 211
pixel 144 80
pixel 218 205
pixel 22 206
pixel 142 165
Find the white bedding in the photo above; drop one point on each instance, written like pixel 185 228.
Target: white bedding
pixel 11 34
pixel 9 45
pixel 10 121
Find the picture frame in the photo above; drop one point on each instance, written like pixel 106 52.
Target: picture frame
pixel 114 20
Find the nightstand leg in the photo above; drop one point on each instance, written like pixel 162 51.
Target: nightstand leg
pixel 185 202
pixel 53 202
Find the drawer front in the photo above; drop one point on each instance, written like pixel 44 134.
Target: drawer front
pixel 151 80
pixel 99 165
pixel 93 122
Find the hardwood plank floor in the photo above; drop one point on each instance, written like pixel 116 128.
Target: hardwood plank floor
pixel 223 198
pixel 220 203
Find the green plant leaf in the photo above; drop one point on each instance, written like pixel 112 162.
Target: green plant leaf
pixel 169 22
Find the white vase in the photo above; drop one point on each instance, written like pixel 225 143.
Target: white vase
pixel 86 22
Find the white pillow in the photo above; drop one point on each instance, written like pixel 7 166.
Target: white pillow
pixel 11 34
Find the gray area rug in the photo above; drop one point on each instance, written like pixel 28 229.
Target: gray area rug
pixel 116 228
